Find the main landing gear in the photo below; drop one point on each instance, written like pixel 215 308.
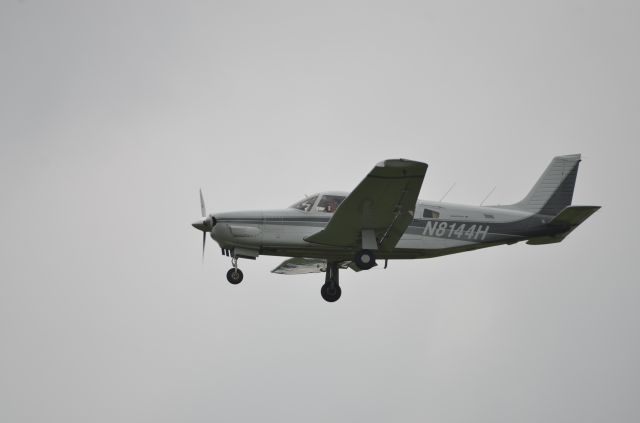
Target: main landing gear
pixel 365 259
pixel 331 291
pixel 234 275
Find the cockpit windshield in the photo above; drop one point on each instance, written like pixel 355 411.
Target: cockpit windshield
pixel 329 203
pixel 306 204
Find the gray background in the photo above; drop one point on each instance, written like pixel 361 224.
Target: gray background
pixel 113 114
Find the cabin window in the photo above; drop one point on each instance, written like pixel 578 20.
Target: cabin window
pixel 306 204
pixel 430 214
pixel 329 203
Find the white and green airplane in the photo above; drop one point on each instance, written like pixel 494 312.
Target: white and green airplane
pixel 382 219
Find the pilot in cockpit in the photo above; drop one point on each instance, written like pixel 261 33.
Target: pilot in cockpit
pixel 329 203
pixel 332 205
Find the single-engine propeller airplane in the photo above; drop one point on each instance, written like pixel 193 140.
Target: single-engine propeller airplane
pixel 382 219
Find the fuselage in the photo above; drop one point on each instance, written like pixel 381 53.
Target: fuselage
pixel 382 218
pixel 436 229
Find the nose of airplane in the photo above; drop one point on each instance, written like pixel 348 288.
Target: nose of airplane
pixel 205 225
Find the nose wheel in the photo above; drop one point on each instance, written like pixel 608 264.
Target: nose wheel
pixel 234 275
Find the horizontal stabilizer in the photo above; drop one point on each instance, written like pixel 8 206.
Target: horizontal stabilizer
pixel 566 221
pixel 574 215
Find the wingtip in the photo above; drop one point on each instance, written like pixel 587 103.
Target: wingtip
pixel 570 157
pixel 400 163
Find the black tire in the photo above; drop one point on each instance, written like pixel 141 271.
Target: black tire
pixel 365 259
pixel 234 276
pixel 330 292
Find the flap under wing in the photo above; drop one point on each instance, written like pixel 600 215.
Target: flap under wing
pixel 383 202
pixel 301 265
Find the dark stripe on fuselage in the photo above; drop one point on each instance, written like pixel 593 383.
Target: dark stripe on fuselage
pixel 274 219
pixel 525 228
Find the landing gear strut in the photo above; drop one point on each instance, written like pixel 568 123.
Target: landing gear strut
pixel 234 275
pixel 331 291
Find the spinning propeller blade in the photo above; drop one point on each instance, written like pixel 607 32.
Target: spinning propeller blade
pixel 205 225
pixel 203 209
pixel 204 241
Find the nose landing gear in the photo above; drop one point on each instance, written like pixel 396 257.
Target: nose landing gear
pixel 234 275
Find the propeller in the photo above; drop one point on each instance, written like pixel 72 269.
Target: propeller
pixel 205 225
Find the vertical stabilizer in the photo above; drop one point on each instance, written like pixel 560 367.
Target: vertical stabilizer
pixel 554 190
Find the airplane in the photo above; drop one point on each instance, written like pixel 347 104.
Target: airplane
pixel 382 219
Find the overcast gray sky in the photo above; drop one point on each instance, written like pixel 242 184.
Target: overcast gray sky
pixel 114 114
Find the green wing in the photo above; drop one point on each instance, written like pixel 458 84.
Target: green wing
pixel 379 210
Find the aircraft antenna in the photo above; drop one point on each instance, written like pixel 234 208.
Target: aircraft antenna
pixel 490 192
pixel 448 191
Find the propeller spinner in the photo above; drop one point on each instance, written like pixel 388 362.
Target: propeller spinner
pixel 205 225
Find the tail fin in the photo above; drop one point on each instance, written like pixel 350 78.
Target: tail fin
pixel 554 190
